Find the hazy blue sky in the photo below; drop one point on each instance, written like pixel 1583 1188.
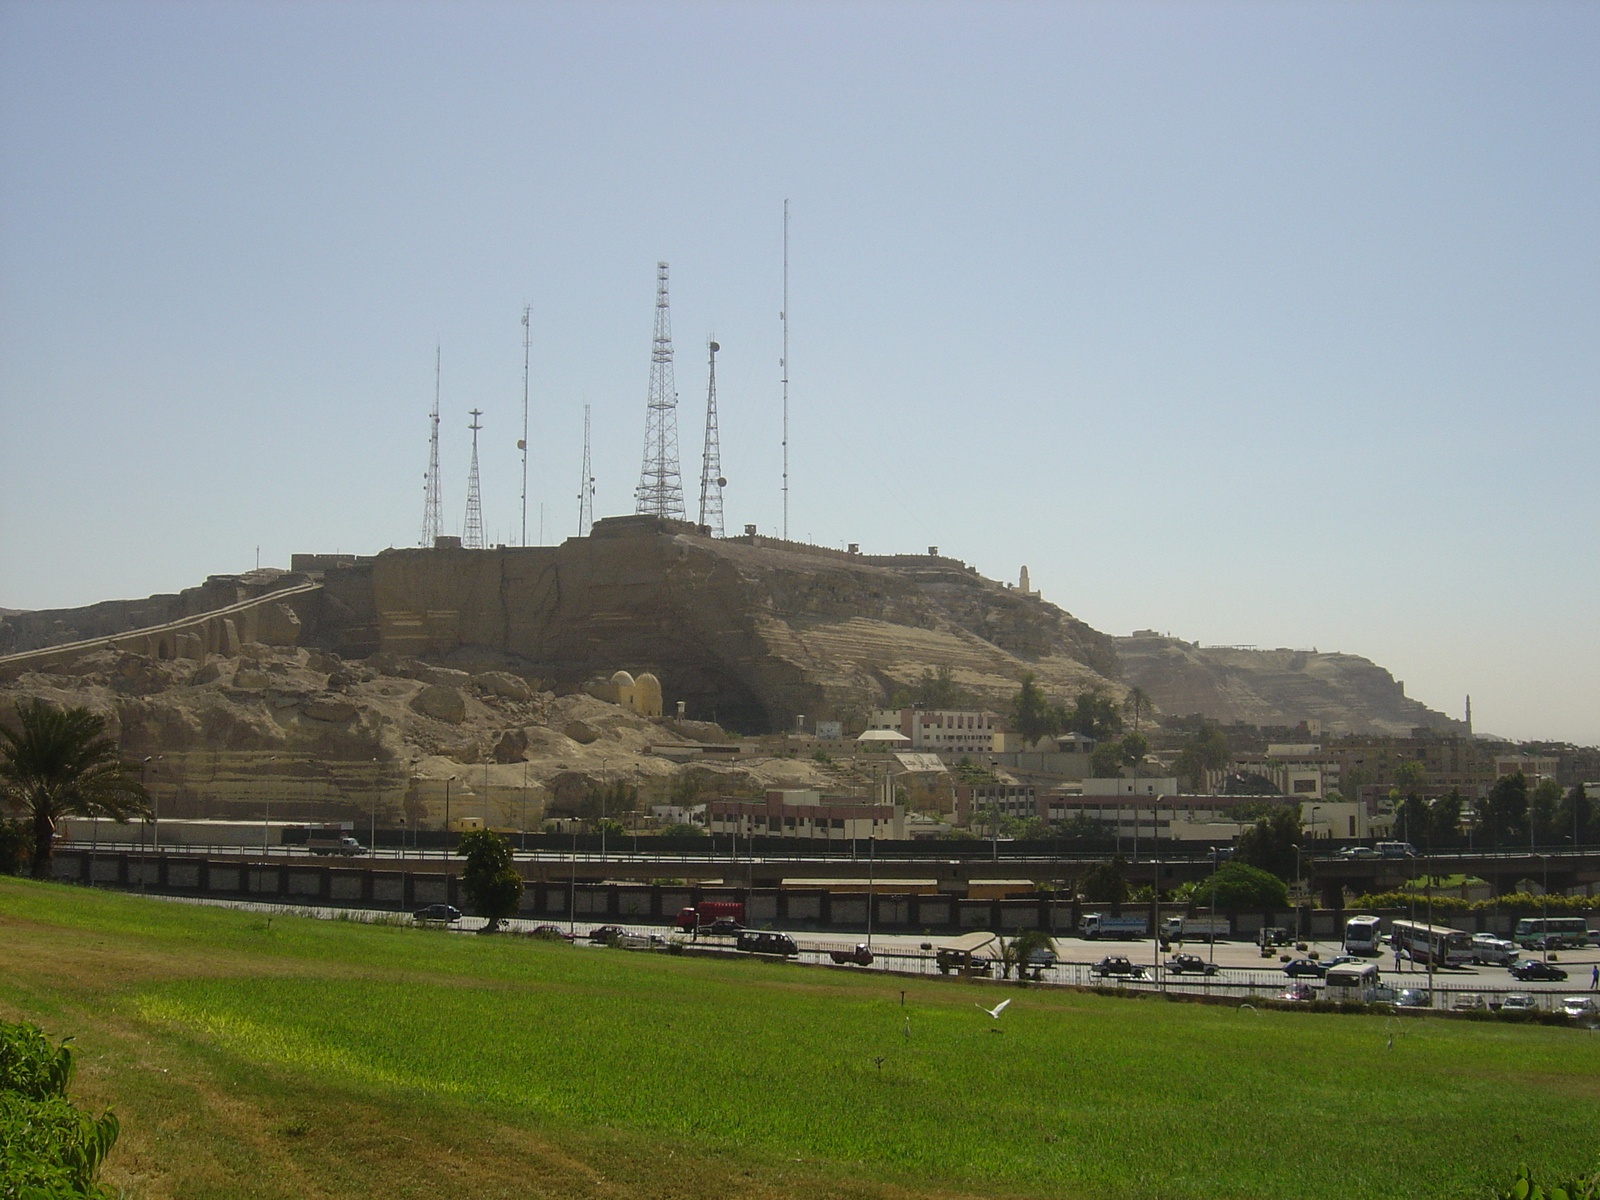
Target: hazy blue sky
pixel 1257 323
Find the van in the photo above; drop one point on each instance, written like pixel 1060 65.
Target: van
pixel 755 941
pixel 1396 850
pixel 1351 982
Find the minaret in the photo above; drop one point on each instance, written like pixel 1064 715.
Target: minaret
pixel 660 490
pixel 472 531
pixel 711 480
pixel 1469 716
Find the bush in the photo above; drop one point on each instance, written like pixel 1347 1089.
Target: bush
pixel 1525 1188
pixel 49 1150
pixel 1522 904
pixel 16 846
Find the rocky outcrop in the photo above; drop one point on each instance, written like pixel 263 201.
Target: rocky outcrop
pixel 1346 693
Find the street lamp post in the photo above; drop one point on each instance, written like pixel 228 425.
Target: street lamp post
pixel 447 784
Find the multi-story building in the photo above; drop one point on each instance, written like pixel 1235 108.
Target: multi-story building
pixel 953 731
pixel 807 813
pixel 1017 800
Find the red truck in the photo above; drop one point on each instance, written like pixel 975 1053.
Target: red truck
pixel 709 912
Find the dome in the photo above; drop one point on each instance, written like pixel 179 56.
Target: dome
pixel 622 679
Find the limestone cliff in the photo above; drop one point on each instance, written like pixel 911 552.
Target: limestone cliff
pixel 1346 693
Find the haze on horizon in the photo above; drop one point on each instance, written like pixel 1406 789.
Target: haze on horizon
pixel 1253 323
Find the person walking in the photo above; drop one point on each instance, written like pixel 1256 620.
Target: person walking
pixel 1594 977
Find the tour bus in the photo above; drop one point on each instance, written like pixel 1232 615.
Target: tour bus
pixel 1361 935
pixel 1351 981
pixel 1436 944
pixel 1551 933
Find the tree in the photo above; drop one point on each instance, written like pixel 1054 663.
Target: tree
pixel 1031 714
pixel 1444 819
pixel 1270 844
pixel 1206 751
pixel 1107 882
pixel 58 763
pixel 1543 802
pixel 490 881
pixel 937 689
pixel 16 848
pixel 1134 748
pixel 1095 715
pixel 683 829
pixel 1505 810
pixel 1410 776
pixel 1411 818
pixel 1575 817
pixel 1239 887
pixel 1138 704
pixel 1106 761
pixel 1017 951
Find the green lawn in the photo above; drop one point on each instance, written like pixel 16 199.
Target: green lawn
pixel 789 1080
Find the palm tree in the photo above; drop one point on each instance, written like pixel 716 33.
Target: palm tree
pixel 1138 703
pixel 60 763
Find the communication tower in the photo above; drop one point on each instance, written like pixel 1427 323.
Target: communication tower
pixel 432 517
pixel 472 531
pixel 522 442
pixel 784 363
pixel 660 491
pixel 585 484
pixel 711 480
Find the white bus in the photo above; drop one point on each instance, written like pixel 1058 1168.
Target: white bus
pixel 1356 982
pixel 1361 935
pixel 1551 933
pixel 1436 944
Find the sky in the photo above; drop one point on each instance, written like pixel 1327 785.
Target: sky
pixel 1256 323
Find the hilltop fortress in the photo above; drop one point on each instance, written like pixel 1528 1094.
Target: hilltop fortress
pixel 751 632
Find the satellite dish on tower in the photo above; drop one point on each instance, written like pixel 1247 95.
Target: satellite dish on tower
pixel 721 482
pixel 715 347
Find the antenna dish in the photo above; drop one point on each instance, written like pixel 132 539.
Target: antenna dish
pixel 721 482
pixel 715 347
pixel 522 443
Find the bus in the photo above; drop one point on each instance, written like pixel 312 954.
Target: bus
pixel 1435 944
pixel 1551 933
pixel 1361 935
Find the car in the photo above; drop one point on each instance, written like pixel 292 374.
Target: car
pixel 1302 967
pixel 1187 964
pixel 1359 852
pixel 606 933
pixel 1118 966
pixel 1518 1002
pixel 1414 998
pixel 1580 1008
pixel 1299 992
pixel 437 913
pixel 1492 951
pixel 551 933
pixel 1525 969
pixel 1468 1002
pixel 1340 960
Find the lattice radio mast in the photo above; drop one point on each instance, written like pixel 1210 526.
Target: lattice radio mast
pixel 472 531
pixel 711 480
pixel 585 484
pixel 784 363
pixel 432 518
pixel 660 483
pixel 522 442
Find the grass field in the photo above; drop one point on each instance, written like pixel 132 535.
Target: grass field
pixel 305 1058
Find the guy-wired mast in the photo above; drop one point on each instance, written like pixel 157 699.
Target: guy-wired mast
pixel 711 480
pixel 660 491
pixel 472 531
pixel 432 517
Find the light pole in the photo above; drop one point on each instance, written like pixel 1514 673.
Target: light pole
pixel 155 833
pixel 447 784
pixel 605 769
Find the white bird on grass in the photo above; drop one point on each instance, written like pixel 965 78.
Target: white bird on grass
pixel 993 1012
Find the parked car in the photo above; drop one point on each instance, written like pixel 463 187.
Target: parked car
pixel 606 933
pixel 1492 951
pixel 551 933
pixel 724 927
pixel 1339 961
pixel 1299 992
pixel 1190 964
pixel 1118 966
pixel 437 913
pixel 1304 967
pixel 1580 1008
pixel 1525 969
pixel 1360 852
pixel 1414 998
pixel 1468 1002
pixel 1518 1002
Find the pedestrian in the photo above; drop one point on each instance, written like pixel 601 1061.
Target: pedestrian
pixel 1594 977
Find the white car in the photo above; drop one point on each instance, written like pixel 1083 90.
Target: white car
pixel 1580 1008
pixel 1495 951
pixel 1518 1002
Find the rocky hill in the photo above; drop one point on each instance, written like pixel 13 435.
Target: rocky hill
pixel 1346 693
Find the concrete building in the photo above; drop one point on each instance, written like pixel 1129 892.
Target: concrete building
pixel 1015 800
pixel 807 813
pixel 943 731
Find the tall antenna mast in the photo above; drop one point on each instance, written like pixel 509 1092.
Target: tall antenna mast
pixel 660 490
pixel 711 480
pixel 585 484
pixel 784 363
pixel 432 519
pixel 522 442
pixel 472 531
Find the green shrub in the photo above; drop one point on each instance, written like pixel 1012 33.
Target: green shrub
pixel 1526 1188
pixel 49 1150
pixel 1523 904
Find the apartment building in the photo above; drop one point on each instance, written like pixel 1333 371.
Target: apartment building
pixel 951 731
pixel 807 813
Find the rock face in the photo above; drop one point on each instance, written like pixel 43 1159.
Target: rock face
pixel 745 632
pixel 1346 693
